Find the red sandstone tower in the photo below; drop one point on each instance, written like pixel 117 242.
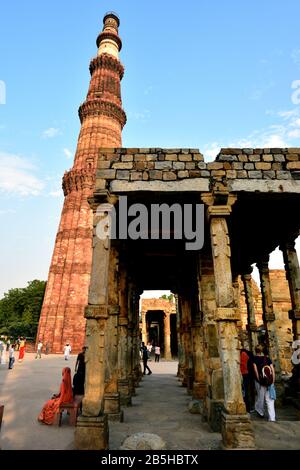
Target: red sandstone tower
pixel 102 119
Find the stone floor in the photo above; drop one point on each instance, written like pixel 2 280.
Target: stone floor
pixel 160 407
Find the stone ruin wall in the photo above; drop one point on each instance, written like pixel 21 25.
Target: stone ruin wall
pixel 155 164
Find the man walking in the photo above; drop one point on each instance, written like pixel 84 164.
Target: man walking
pixel 145 359
pixel 67 351
pixel 39 350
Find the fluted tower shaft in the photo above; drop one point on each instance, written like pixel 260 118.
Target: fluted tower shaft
pixel 102 120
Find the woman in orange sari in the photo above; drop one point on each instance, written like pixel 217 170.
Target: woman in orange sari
pixel 22 349
pixel 51 407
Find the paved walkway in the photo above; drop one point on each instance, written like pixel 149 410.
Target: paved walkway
pixel 160 407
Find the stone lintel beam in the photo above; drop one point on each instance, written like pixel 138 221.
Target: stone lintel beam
pixel 228 314
pixel 101 311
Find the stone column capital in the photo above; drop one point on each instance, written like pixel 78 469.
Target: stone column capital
pixel 102 196
pixel 263 264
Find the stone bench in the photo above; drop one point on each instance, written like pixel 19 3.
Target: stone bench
pixel 72 410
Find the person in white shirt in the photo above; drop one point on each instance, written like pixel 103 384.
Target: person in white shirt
pixel 157 353
pixel 11 356
pixel 67 351
pixel 39 350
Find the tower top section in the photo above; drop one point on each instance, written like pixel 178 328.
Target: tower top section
pixel 108 41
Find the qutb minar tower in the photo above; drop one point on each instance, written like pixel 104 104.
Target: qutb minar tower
pixel 102 120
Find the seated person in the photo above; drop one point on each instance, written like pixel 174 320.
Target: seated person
pixel 65 395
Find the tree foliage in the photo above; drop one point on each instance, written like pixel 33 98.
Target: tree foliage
pixel 170 297
pixel 20 310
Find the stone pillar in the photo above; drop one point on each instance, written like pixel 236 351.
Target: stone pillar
pixel 236 426
pixel 185 339
pixel 236 296
pixel 181 357
pixel 123 363
pixel 91 431
pixel 167 337
pixel 251 320
pixel 213 404
pixel 136 363
pixel 269 315
pixel 293 277
pixel 144 328
pixel 199 384
pixel 112 396
pixel 130 338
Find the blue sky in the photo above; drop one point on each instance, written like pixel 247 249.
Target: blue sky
pixel 201 73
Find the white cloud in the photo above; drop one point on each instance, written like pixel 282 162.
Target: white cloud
pixel 7 211
pixel 55 194
pixel 273 140
pixel 17 176
pixel 139 116
pixel 211 150
pixel 295 134
pixel 68 153
pixel 295 55
pixel 50 133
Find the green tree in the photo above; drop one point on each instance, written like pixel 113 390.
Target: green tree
pixel 20 310
pixel 170 297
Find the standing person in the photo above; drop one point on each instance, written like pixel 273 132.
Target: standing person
pixel 65 395
pixel 7 344
pixel 67 351
pixel 22 349
pixel 11 356
pixel 264 378
pixel 157 353
pixel 39 350
pixel 79 377
pixel 18 343
pixel 246 366
pixel 145 359
pixel 149 349
pixel 3 353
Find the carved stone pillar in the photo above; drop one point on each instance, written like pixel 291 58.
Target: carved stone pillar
pixel 112 396
pixel 92 429
pixel 251 320
pixel 269 315
pixel 123 363
pixel 213 405
pixel 236 296
pixel 130 338
pixel 181 356
pixel 236 426
pixel 144 328
pixel 137 371
pixel 293 277
pixel 185 339
pixel 199 384
pixel 167 338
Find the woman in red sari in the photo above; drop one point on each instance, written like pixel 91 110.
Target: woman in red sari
pixel 51 407
pixel 22 349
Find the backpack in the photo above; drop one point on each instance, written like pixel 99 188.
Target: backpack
pixel 266 376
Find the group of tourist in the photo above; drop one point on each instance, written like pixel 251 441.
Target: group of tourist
pixel 258 376
pixel 6 346
pixel 67 392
